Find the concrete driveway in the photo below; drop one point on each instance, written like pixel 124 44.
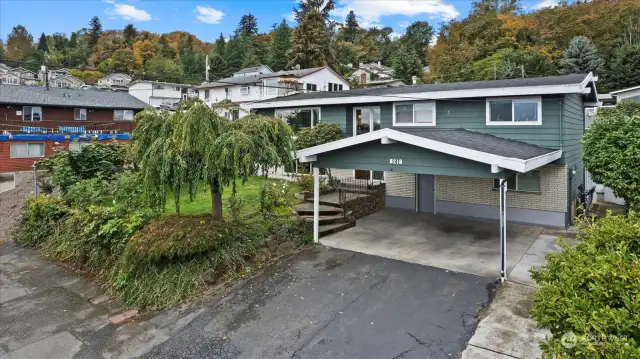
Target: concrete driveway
pixel 459 244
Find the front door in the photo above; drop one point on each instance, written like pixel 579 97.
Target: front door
pixel 426 193
pixel 365 120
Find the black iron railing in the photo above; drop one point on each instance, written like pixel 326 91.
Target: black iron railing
pixel 351 188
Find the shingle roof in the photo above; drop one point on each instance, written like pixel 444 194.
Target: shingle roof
pixel 482 142
pixel 572 79
pixel 250 69
pixel 91 98
pixel 244 80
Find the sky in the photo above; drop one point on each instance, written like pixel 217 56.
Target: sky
pixel 208 18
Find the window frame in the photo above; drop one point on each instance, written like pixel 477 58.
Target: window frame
pixel 245 90
pixel 27 144
pixel 313 120
pixel 415 124
pixel 308 85
pixel 123 112
pixel 517 182
pixel 32 120
pixel 81 110
pixel 514 100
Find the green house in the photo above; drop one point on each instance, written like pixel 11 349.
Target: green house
pixel 446 148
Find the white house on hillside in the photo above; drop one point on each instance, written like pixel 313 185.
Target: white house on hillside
pixel 260 83
pixel 115 81
pixel 375 75
pixel 156 93
pixel 66 81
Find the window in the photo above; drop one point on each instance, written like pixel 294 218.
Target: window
pixel 312 87
pixel 414 114
pixel 335 87
pixel 80 114
pixel 175 88
pixel 526 182
pixel 27 150
pixel 518 111
pixel 271 87
pixel 10 81
pixel 31 113
pixel 300 118
pixel 244 90
pixel 206 95
pixel 126 115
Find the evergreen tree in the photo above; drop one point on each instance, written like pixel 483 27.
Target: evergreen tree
pixel 280 44
pixel 130 34
pixel 417 37
pixel 73 40
pixel 165 69
pixel 581 57
pixel 248 25
pixel 251 60
pixel 19 44
pixel 351 27
pixel 166 50
pixel 406 64
pixel 322 7
pixel 123 60
pixel 95 30
pixel 311 45
pixel 624 68
pixel 236 51
pixel 218 68
pixel 42 43
pixel 60 41
pixel 1 49
pixel 219 44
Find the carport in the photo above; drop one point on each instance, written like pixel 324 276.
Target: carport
pixel 432 152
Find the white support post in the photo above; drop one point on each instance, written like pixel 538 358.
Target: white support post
pixel 503 230
pixel 316 204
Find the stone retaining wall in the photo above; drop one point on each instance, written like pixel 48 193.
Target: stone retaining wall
pixel 366 205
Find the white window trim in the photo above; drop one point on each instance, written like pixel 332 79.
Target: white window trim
pixel 27 143
pixel 517 182
pixel 514 100
pixel 32 107
pixel 245 90
pixel 123 119
pixel 81 110
pixel 313 120
pixel 384 173
pixel 414 124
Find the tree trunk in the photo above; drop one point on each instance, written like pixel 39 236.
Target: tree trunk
pixel 216 199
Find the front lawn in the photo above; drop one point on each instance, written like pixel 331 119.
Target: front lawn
pixel 249 193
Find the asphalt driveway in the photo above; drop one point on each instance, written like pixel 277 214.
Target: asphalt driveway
pixel 329 303
pixel 321 303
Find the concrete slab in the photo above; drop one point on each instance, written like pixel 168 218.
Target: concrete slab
pixel 454 243
pixel 59 346
pixel 535 257
pixel 480 353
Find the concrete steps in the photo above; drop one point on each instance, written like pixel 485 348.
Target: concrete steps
pixel 332 217
pixel 338 218
pixel 306 209
pixel 327 229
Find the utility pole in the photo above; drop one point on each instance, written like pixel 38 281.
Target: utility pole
pixel 522 70
pixel 206 68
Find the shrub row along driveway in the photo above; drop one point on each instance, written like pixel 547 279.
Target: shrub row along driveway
pixel 326 303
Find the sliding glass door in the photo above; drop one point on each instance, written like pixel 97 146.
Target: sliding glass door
pixel 365 120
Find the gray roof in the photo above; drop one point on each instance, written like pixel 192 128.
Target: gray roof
pixel 251 69
pixel 65 97
pixel 245 80
pixel 572 79
pixel 482 142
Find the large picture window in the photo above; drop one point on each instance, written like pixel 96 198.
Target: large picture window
pixel 27 150
pixel 31 113
pixel 525 182
pixel 516 111
pixel 414 114
pixel 300 118
pixel 120 115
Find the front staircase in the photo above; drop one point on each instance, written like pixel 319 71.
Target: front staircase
pixel 332 217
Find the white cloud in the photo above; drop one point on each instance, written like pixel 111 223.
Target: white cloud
pixel 545 3
pixel 290 16
pixel 208 15
pixel 370 12
pixel 127 12
pixel 404 24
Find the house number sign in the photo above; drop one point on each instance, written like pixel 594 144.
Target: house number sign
pixel 395 161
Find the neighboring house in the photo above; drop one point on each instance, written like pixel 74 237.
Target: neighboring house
pixel 9 78
pixel 27 77
pixel 4 68
pixel 444 148
pixel 373 74
pixel 66 81
pixel 32 118
pixel 258 83
pixel 115 81
pixel 631 93
pixel 52 74
pixel 156 93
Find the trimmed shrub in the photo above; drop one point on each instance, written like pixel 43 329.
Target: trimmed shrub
pixel 593 292
pixel 39 219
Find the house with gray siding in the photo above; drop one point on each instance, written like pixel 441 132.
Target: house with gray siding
pixel 457 148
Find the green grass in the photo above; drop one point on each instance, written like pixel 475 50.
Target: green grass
pixel 249 193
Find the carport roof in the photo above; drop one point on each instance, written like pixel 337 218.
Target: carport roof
pixel 484 143
pixel 500 153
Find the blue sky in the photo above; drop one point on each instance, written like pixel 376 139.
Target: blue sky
pixel 207 19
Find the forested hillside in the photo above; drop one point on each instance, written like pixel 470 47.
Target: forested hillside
pixel 496 40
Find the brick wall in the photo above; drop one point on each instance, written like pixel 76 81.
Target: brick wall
pixel 400 184
pixel 552 196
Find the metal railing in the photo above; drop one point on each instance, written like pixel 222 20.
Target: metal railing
pixel 65 127
pixel 351 188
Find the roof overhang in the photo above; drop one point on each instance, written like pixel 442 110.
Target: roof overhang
pixel 390 136
pixel 587 86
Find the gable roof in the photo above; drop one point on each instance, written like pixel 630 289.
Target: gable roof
pixel 495 151
pixel 67 77
pixel 250 79
pixel 252 69
pixel 64 97
pixel 158 83
pixel 114 75
pixel 575 83
pixel 625 90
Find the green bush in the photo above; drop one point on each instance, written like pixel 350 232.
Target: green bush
pixel 276 197
pixel 320 134
pixel 39 219
pixel 305 183
pixel 593 291
pixel 294 229
pixel 92 191
pixel 612 150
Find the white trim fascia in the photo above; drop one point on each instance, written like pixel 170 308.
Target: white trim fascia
pixel 537 99
pixel 355 108
pixel 592 104
pixel 624 90
pixel 418 96
pixel 510 163
pixel 413 111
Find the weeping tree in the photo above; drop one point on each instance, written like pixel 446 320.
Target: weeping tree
pixel 195 146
